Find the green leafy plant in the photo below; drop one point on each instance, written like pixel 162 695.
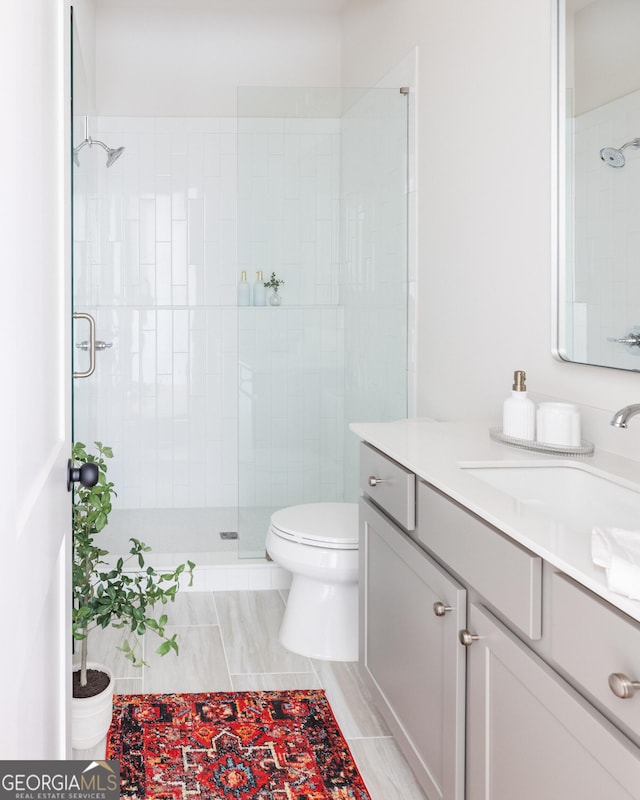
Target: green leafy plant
pixel 273 283
pixel 121 594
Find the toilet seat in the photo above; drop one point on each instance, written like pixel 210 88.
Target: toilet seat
pixel 330 525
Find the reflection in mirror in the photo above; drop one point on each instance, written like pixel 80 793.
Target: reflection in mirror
pixel 80 102
pixel 599 269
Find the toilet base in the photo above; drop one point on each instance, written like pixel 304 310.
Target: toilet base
pixel 321 620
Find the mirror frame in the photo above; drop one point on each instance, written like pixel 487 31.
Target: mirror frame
pixel 558 186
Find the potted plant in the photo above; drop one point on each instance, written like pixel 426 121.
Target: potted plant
pixel 274 284
pixel 121 594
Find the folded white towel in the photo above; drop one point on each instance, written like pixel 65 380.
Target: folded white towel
pixel 618 551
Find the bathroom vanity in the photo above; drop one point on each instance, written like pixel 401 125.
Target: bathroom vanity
pixel 487 636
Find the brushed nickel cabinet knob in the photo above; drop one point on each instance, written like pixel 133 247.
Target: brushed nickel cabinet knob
pixel 439 609
pixel 467 638
pixel 621 686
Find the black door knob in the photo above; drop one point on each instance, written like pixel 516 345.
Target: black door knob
pixel 86 474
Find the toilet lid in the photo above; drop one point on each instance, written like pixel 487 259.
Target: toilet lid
pixel 333 525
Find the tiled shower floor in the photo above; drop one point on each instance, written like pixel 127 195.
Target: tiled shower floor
pixel 172 532
pixel 229 642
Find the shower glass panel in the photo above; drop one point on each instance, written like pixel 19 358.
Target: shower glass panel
pixel 80 107
pixel 322 202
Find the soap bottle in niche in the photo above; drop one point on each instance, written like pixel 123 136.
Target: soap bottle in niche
pixel 259 292
pixel 519 413
pixel 244 291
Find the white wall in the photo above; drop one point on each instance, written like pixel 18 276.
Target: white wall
pixel 485 209
pixel 84 54
pixel 189 61
pixel 607 56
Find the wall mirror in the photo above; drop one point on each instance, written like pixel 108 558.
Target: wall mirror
pixel 599 183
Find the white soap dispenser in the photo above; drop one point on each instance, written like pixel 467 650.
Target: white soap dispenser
pixel 519 413
pixel 259 292
pixel 244 291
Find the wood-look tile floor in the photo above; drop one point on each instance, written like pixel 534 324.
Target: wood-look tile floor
pixel 229 642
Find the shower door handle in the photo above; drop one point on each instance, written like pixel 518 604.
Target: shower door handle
pixel 99 345
pixel 91 347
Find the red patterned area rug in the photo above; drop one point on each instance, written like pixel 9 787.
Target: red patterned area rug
pixel 232 745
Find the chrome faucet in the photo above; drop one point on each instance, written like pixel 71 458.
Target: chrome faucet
pixel 620 418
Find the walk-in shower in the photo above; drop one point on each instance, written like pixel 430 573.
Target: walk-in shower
pixel 614 157
pixel 219 414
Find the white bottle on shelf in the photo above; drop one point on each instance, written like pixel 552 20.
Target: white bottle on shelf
pixel 244 291
pixel 519 412
pixel 259 292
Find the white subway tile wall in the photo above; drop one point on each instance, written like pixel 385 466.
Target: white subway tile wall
pixel 156 263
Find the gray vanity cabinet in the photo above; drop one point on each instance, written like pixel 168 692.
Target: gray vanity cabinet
pixel 489 697
pixel 411 612
pixel 529 734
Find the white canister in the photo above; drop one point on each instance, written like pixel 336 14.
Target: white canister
pixel 558 423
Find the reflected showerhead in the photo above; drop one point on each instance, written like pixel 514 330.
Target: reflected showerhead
pixel 614 157
pixel 113 154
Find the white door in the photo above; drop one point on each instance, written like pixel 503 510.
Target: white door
pixel 35 390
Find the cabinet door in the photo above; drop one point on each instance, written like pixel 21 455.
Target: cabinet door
pixel 530 735
pixel 410 655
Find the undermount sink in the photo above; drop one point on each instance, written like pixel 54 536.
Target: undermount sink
pixel 569 494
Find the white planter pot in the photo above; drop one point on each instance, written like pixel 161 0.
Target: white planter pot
pixel 91 716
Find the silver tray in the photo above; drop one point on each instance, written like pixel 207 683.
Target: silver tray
pixel 584 449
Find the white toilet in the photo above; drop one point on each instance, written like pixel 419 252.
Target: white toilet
pixel 318 544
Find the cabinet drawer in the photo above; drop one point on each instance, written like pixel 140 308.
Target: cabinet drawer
pixel 591 640
pixel 389 486
pixel 507 575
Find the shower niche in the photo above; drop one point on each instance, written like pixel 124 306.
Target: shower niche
pixel 218 414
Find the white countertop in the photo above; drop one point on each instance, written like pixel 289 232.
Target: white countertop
pixel 435 451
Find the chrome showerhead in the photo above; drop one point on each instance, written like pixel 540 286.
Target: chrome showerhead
pixel 614 157
pixel 113 154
